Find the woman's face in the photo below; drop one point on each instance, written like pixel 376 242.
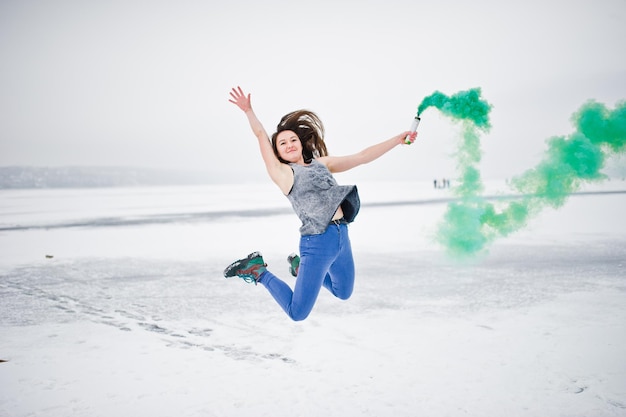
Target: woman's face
pixel 289 146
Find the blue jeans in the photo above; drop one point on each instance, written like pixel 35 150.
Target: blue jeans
pixel 325 260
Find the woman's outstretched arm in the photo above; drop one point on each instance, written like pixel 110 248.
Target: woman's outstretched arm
pixel 367 155
pixel 280 173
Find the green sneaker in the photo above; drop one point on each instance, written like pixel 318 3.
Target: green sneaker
pixel 249 269
pixel 294 264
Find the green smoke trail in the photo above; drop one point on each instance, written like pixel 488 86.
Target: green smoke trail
pixel 471 223
pixel 465 105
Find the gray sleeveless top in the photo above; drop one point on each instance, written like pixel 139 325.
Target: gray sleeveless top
pixel 316 196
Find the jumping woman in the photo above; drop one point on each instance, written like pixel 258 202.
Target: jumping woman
pixel 297 161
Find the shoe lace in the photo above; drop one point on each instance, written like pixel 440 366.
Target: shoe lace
pixel 249 278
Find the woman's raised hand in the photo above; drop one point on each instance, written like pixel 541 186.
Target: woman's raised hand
pixel 406 138
pixel 240 99
pixel 410 137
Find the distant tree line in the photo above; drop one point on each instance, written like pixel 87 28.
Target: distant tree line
pixel 89 177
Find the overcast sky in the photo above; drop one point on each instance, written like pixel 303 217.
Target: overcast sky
pixel 145 83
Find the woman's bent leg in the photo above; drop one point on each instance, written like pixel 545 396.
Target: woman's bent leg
pixel 340 278
pixel 278 289
pixel 317 252
pixel 297 303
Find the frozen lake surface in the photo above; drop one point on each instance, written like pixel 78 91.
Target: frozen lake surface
pixel 112 302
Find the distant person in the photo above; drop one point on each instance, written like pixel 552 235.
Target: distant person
pixel 297 161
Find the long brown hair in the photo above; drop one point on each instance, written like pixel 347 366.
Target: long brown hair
pixel 309 129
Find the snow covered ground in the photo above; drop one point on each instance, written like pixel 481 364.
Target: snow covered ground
pixel 130 315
